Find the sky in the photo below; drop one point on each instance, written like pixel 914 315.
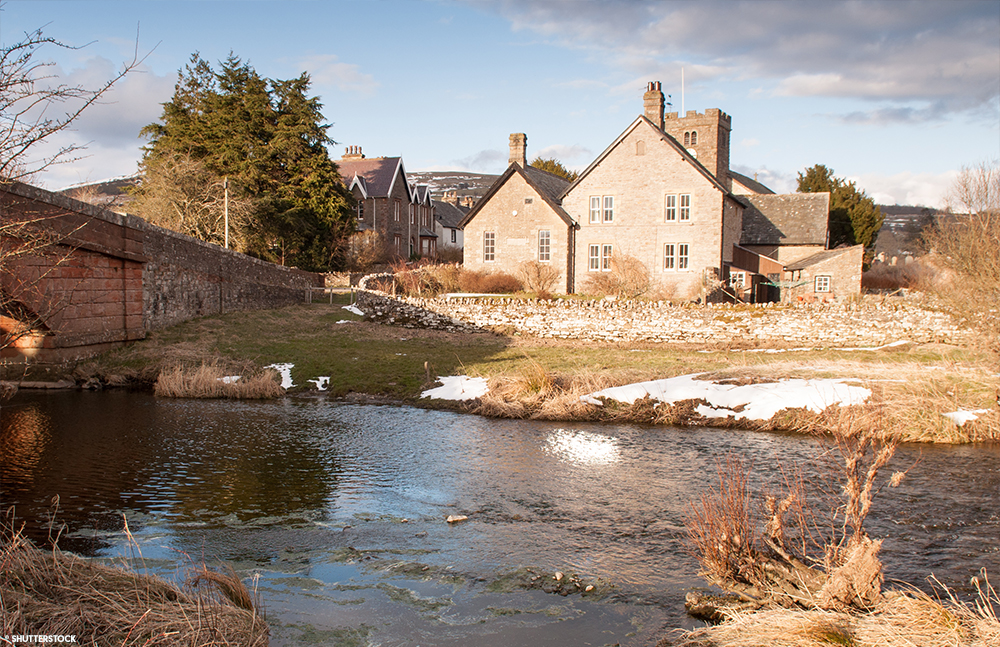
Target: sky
pixel 896 95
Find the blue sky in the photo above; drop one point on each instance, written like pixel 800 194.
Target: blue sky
pixel 895 95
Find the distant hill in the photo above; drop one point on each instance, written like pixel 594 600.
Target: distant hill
pixel 464 183
pixel 902 225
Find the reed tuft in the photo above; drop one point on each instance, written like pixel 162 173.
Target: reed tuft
pixel 207 381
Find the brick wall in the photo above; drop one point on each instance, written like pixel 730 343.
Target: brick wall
pixel 108 278
pixel 871 321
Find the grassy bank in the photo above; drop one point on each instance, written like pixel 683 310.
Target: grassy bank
pixel 912 385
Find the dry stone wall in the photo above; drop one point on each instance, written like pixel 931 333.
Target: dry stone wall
pixel 186 278
pixel 871 321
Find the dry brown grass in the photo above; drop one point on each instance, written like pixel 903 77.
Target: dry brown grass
pixel 50 592
pixel 907 398
pixel 902 619
pixel 206 381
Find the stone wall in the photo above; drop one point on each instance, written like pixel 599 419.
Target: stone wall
pixel 871 321
pixel 105 278
pixel 186 278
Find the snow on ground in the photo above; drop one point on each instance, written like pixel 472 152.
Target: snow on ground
pixel 286 374
pixel 458 387
pixel 354 309
pixel 758 401
pixel 803 349
pixel 963 416
pixel 321 383
pixel 230 379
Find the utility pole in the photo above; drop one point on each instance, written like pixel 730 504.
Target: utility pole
pixel 225 186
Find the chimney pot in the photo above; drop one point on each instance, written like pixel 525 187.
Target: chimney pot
pixel 518 149
pixel 653 103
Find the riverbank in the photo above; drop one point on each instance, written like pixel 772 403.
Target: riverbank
pixel 64 598
pixel 336 354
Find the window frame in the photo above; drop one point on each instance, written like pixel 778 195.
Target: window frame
pixel 827 281
pixel 544 246
pixel 489 246
pixel 395 210
pixel 670 207
pixel 684 210
pixel 599 257
pixel 595 209
pixel 608 208
pixel 683 256
pixel 669 257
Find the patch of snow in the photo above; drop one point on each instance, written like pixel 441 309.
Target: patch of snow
pixel 230 379
pixel 758 401
pixel 321 383
pixel 343 321
pixel 354 310
pixel 963 416
pixel 882 347
pixel 286 374
pixel 458 387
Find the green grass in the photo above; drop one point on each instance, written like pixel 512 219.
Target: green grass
pixel 915 383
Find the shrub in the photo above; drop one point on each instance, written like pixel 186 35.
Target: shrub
pixel 537 277
pixel 488 283
pixel 882 276
pixel 628 278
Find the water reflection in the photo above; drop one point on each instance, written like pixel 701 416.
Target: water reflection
pixel 584 447
pixel 288 488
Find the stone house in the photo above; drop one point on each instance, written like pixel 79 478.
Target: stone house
pixel 520 220
pixel 400 213
pixel 661 194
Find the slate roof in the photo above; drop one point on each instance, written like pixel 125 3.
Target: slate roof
pixel 786 219
pixel 376 175
pixel 816 258
pixel 548 186
pixel 548 183
pixel 750 183
pixel 448 214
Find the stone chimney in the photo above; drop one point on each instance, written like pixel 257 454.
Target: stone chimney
pixel 353 153
pixel 518 149
pixel 653 103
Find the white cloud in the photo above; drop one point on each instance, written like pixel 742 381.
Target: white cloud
pixel 565 153
pixel 923 189
pixel 486 161
pixel 940 56
pixel 327 70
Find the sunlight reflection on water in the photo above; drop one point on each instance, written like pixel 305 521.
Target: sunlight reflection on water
pixel 584 447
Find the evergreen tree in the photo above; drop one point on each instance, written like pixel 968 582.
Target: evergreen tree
pixel 554 166
pixel 269 138
pixel 854 217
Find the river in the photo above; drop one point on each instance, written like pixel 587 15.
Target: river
pixel 339 510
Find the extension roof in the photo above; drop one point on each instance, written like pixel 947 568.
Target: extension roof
pixel 448 214
pixel 785 219
pixel 817 258
pixel 750 183
pixel 376 176
pixel 547 185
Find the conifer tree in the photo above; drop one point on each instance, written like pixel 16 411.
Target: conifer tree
pixel 554 166
pixel 855 219
pixel 268 137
